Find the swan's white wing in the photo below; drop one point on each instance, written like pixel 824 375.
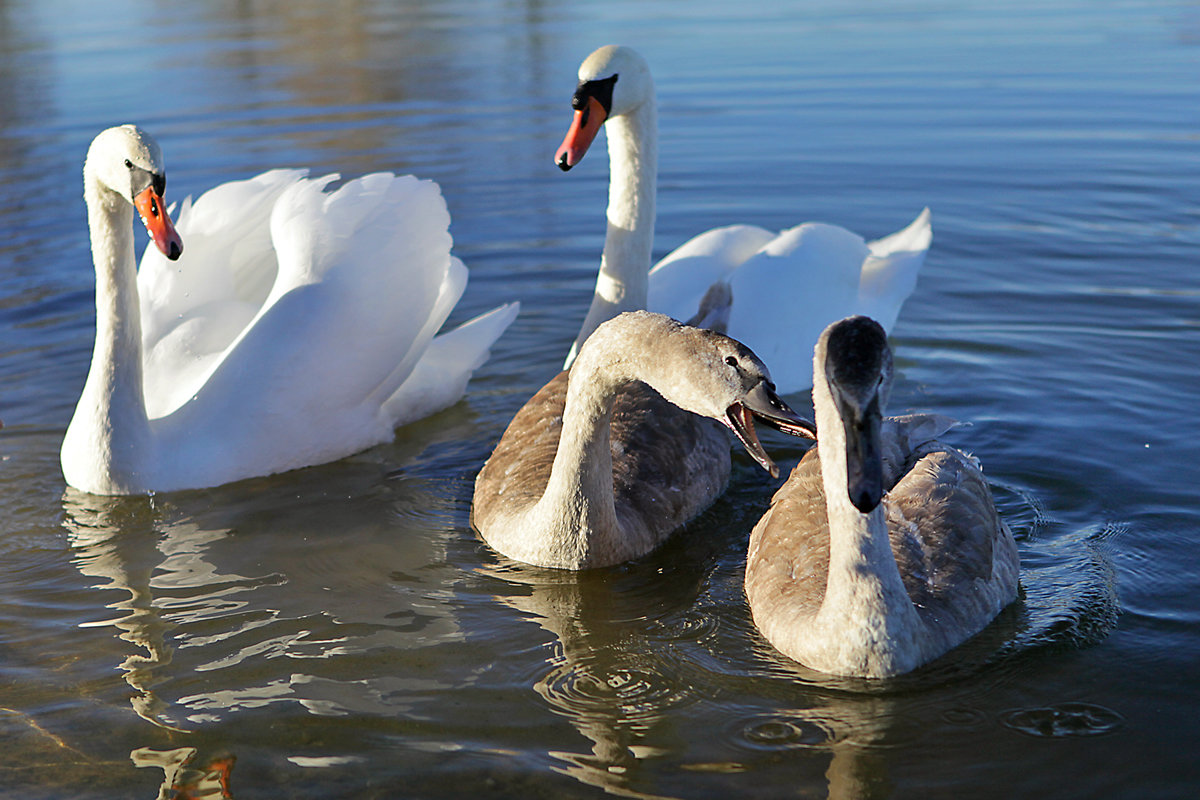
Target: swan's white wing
pixel 680 280
pixel 440 376
pixel 815 274
pixel 365 278
pixel 193 308
pixel 227 255
pixel 785 295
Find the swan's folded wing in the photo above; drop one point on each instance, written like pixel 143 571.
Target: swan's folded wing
pixel 365 280
pixel 440 376
pixel 785 295
pixel 194 308
pixel 787 563
pixel 902 439
pixel 947 535
pixel 227 254
pixel 373 261
pixel 681 279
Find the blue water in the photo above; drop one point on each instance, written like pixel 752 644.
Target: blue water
pixel 341 632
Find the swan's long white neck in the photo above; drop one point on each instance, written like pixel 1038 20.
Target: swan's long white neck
pixel 865 597
pixel 110 434
pixel 633 173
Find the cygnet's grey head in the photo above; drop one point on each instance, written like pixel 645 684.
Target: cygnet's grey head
pixel 704 372
pixel 858 370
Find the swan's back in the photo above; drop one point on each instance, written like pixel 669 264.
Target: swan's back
pixel 297 326
pixel 956 558
pixel 668 464
pixel 825 271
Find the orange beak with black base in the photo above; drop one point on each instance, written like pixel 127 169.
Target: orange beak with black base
pixel 584 128
pixel 149 205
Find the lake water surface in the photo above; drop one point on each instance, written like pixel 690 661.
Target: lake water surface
pixel 339 631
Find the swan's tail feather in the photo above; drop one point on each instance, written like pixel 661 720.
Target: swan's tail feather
pixel 454 283
pixel 889 274
pixel 440 377
pixel 916 237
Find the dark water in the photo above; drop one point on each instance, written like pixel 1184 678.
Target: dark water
pixel 340 631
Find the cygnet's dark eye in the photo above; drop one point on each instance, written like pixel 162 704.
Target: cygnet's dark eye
pixel 731 361
pixel 128 164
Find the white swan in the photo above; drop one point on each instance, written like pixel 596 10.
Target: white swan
pixel 298 327
pixel 883 549
pixel 598 468
pixel 786 287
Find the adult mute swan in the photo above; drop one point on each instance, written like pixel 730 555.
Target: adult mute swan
pixel 883 550
pixel 298 327
pixel 785 286
pixel 598 468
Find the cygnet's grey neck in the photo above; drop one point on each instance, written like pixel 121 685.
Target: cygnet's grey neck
pixel 578 507
pixel 865 592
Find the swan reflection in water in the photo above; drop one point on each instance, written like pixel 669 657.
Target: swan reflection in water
pixel 613 688
pixel 116 540
pixel 278 591
pixel 183 779
pixel 623 673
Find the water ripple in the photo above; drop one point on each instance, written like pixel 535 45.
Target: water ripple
pixel 626 693
pixel 1064 720
pixel 782 731
pixel 692 625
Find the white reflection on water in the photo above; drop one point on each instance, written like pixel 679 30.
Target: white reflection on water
pixel 183 778
pixel 226 621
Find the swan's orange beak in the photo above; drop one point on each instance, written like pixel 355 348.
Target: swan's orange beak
pixel 584 128
pixel 158 223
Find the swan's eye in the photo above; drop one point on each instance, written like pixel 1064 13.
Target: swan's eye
pixel 731 361
pixel 128 164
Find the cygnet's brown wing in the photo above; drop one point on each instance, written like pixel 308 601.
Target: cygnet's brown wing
pixel 787 563
pixel 958 560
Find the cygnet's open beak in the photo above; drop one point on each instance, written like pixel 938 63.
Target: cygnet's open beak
pixel 762 402
pixel 584 127
pixel 767 406
pixel 154 216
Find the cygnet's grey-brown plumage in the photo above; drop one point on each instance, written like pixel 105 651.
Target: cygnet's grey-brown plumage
pixel 608 459
pixel 883 549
